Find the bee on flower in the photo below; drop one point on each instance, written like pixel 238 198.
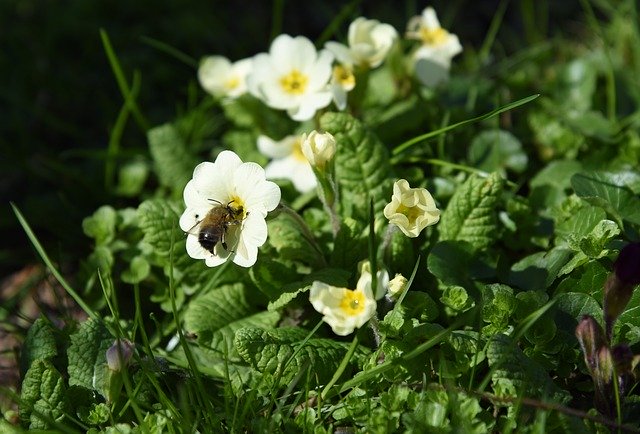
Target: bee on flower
pixel 227 202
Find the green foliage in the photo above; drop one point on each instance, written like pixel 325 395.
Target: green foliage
pixel 87 356
pixel 173 163
pixel 471 214
pixel 42 399
pixel 362 165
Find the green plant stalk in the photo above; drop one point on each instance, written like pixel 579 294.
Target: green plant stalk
pixel 45 258
pixel 172 51
pixel 114 143
pixel 403 146
pixel 122 82
pixel 341 367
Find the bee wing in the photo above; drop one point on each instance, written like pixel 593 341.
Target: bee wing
pixel 195 229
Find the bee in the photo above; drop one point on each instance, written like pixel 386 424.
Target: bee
pixel 212 229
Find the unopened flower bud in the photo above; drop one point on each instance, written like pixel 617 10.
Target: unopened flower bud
pixel 319 148
pixel 397 285
pixel 591 338
pixel 119 354
pixel 618 288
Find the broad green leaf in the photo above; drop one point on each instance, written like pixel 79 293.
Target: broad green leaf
pixel 498 304
pixel 217 316
pixel 40 343
pixel 271 276
pixel 580 223
pixel 497 150
pixel 576 304
pixel 293 241
pixel 471 213
pixel 350 246
pixel 362 165
pixel 514 374
pixel 454 263
pixel 557 174
pixel 282 352
pixel 539 270
pixel 42 395
pixel 101 226
pixel 173 163
pixel 630 319
pixel 158 220
pixel 588 279
pixel 139 269
pixel 132 177
pixel 87 356
pixel 603 189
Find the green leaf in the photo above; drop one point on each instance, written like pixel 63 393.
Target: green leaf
pixel 539 270
pixel 158 220
pixel 497 150
pixel 173 163
pixel 577 304
pixel 293 241
pixel 132 177
pixel 42 396
pixel 272 276
pixel 139 269
pixel 350 246
pixel 101 226
pixel 498 304
pixel 217 316
pixel 40 343
pixel 588 279
pixel 454 263
pixel 471 213
pixel 605 190
pixel 362 165
pixel 87 356
pixel 281 351
pixel 580 223
pixel 514 374
pixel 456 298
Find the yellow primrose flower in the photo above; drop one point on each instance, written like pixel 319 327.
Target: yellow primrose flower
pixel 432 60
pixel 397 285
pixel 219 77
pixel 344 309
pixel 411 209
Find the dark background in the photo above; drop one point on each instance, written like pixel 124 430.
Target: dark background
pixel 59 98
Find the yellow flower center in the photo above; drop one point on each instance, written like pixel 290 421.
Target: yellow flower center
pixel 232 83
pixel 296 151
pixel 294 83
pixel 344 76
pixel 352 303
pixel 412 213
pixel 236 205
pixel 435 36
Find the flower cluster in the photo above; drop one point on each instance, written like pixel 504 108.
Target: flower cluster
pixel 296 77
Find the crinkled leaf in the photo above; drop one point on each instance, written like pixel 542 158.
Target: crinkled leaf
pixel 539 270
pixel 351 245
pixel 158 220
pixel 40 343
pixel 271 276
pixel 604 189
pixel 593 245
pixel 87 356
pixel 497 150
pixel 101 226
pixel 362 165
pixel 173 163
pixel 588 279
pixel 571 306
pixel 471 213
pixel 580 223
pixel 498 304
pixel 293 241
pixel 42 395
pixel 217 316
pixel 454 263
pixel 273 351
pixel 514 374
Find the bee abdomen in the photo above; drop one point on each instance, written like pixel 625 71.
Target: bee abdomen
pixel 208 240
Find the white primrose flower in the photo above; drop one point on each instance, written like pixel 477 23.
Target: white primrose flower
pixel 382 280
pixel 220 77
pixel 397 285
pixel 369 43
pixel 342 82
pixel 432 60
pixel 411 209
pixel 288 161
pixel 318 148
pixel 227 202
pixel 344 309
pixel 293 77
